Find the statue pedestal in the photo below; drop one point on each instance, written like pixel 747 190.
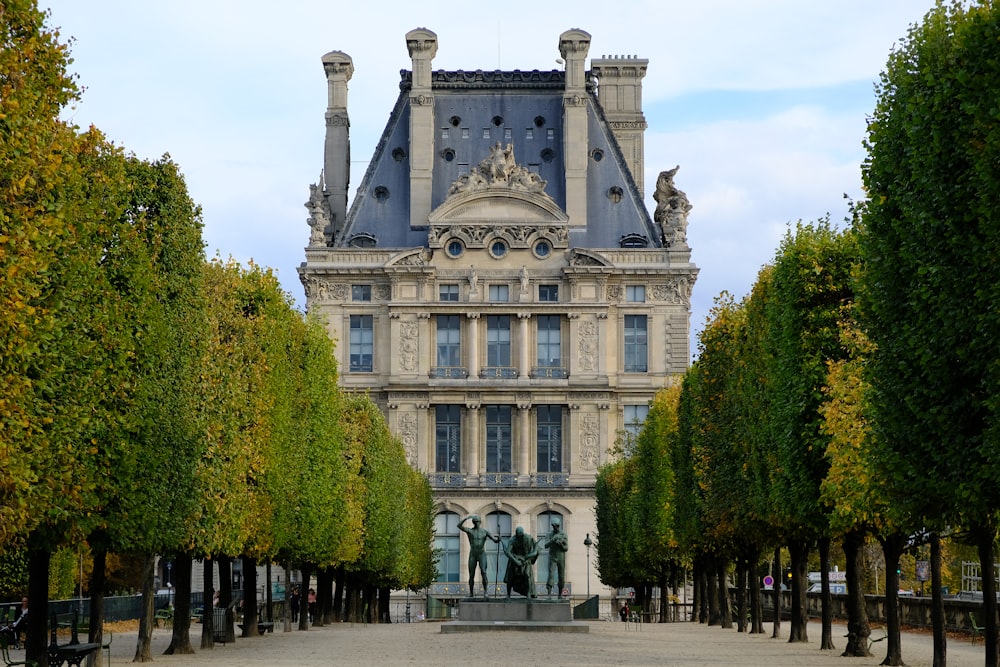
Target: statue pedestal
pixel 519 614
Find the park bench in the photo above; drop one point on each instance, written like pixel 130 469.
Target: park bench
pixel 5 652
pixel 73 652
pixel 872 638
pixel 106 637
pixel 164 616
pixel 262 625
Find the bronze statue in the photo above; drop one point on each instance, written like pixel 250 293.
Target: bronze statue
pixel 522 551
pixel 557 544
pixel 477 552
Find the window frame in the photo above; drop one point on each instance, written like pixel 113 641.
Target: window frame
pixel 635 343
pixel 361 348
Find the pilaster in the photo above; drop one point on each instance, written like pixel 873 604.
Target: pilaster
pixel 339 69
pixel 573 47
pixel 422 45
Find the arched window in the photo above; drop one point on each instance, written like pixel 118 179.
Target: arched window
pixel 542 564
pixel 446 543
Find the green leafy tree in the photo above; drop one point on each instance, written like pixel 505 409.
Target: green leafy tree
pixel 930 245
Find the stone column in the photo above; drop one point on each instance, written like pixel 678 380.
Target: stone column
pixel 472 431
pixel 472 362
pixel 524 366
pixel 524 467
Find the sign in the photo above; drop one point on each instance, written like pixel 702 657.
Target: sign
pixel 923 570
pixel 769 580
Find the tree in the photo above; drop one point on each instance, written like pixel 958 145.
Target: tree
pixel 931 241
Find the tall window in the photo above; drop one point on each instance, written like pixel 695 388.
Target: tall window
pixel 448 438
pixel 635 293
pixel 449 339
pixel 635 344
pixel 499 442
pixel 362 343
pixel 634 416
pixel 542 564
pixel 549 341
pixel 446 543
pixel 549 432
pixel 499 524
pixel 498 340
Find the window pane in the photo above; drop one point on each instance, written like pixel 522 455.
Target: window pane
pixel 500 293
pixel 548 292
pixel 498 438
pixel 635 343
pixel 362 339
pixel 446 542
pixel 448 293
pixel 635 293
pixel 361 292
pixel 498 340
pixel 549 432
pixel 549 341
pixel 634 416
pixel 449 337
pixel 448 438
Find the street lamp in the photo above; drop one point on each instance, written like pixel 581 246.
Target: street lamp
pixel 587 543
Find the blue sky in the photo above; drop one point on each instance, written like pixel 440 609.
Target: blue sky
pixel 761 102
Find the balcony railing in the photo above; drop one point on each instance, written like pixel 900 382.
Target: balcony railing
pixel 447 479
pixel 499 479
pixel 555 372
pixel 502 372
pixel 449 372
pixel 549 479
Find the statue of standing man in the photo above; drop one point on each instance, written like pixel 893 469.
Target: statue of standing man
pixel 557 544
pixel 477 552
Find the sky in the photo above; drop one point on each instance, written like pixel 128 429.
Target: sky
pixel 762 103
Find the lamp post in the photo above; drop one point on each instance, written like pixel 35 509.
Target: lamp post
pixel 587 543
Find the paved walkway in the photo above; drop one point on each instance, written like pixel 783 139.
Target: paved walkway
pixel 607 643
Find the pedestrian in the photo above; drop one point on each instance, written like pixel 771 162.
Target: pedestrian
pixel 295 601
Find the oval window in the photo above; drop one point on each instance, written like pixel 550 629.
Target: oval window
pixel 455 248
pixel 542 249
pixel 498 249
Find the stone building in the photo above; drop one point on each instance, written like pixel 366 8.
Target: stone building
pixel 499 287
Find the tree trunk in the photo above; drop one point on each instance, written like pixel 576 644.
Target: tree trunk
pixel 858 630
pixel 338 596
pixel 250 619
pixel 96 623
pixel 741 595
pixel 725 609
pixel 288 598
pixel 937 605
pixel 799 554
pixel 324 596
pixel 180 637
pixel 779 578
pixel 306 570
pixel 142 644
pixel 35 639
pixel 892 549
pixel 208 605
pixel 756 606
pixel 712 593
pixel 226 596
pixel 826 636
pixel 984 538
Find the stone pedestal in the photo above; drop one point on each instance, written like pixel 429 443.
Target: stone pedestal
pixel 517 614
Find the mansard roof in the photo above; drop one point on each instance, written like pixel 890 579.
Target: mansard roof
pixel 473 111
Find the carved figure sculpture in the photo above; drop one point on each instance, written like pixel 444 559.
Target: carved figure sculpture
pixel 500 169
pixel 672 208
pixel 557 544
pixel 522 552
pixel 477 551
pixel 318 219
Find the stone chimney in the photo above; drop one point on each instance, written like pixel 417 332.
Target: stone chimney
pixel 422 45
pixel 573 47
pixel 337 153
pixel 619 90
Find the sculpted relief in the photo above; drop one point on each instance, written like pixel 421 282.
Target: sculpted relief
pixel 498 170
pixel 672 208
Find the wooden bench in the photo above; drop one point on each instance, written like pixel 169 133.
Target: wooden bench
pixel 74 652
pixel 165 615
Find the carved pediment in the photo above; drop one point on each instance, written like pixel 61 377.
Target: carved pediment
pixel 498 198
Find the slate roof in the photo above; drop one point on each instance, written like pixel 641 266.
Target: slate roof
pixel 474 110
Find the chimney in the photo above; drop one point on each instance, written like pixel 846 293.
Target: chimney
pixel 619 90
pixel 573 47
pixel 422 45
pixel 337 153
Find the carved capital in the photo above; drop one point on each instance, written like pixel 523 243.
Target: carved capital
pixel 394 315
pixel 421 100
pixel 472 316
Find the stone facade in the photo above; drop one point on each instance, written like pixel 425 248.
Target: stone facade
pixel 500 288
